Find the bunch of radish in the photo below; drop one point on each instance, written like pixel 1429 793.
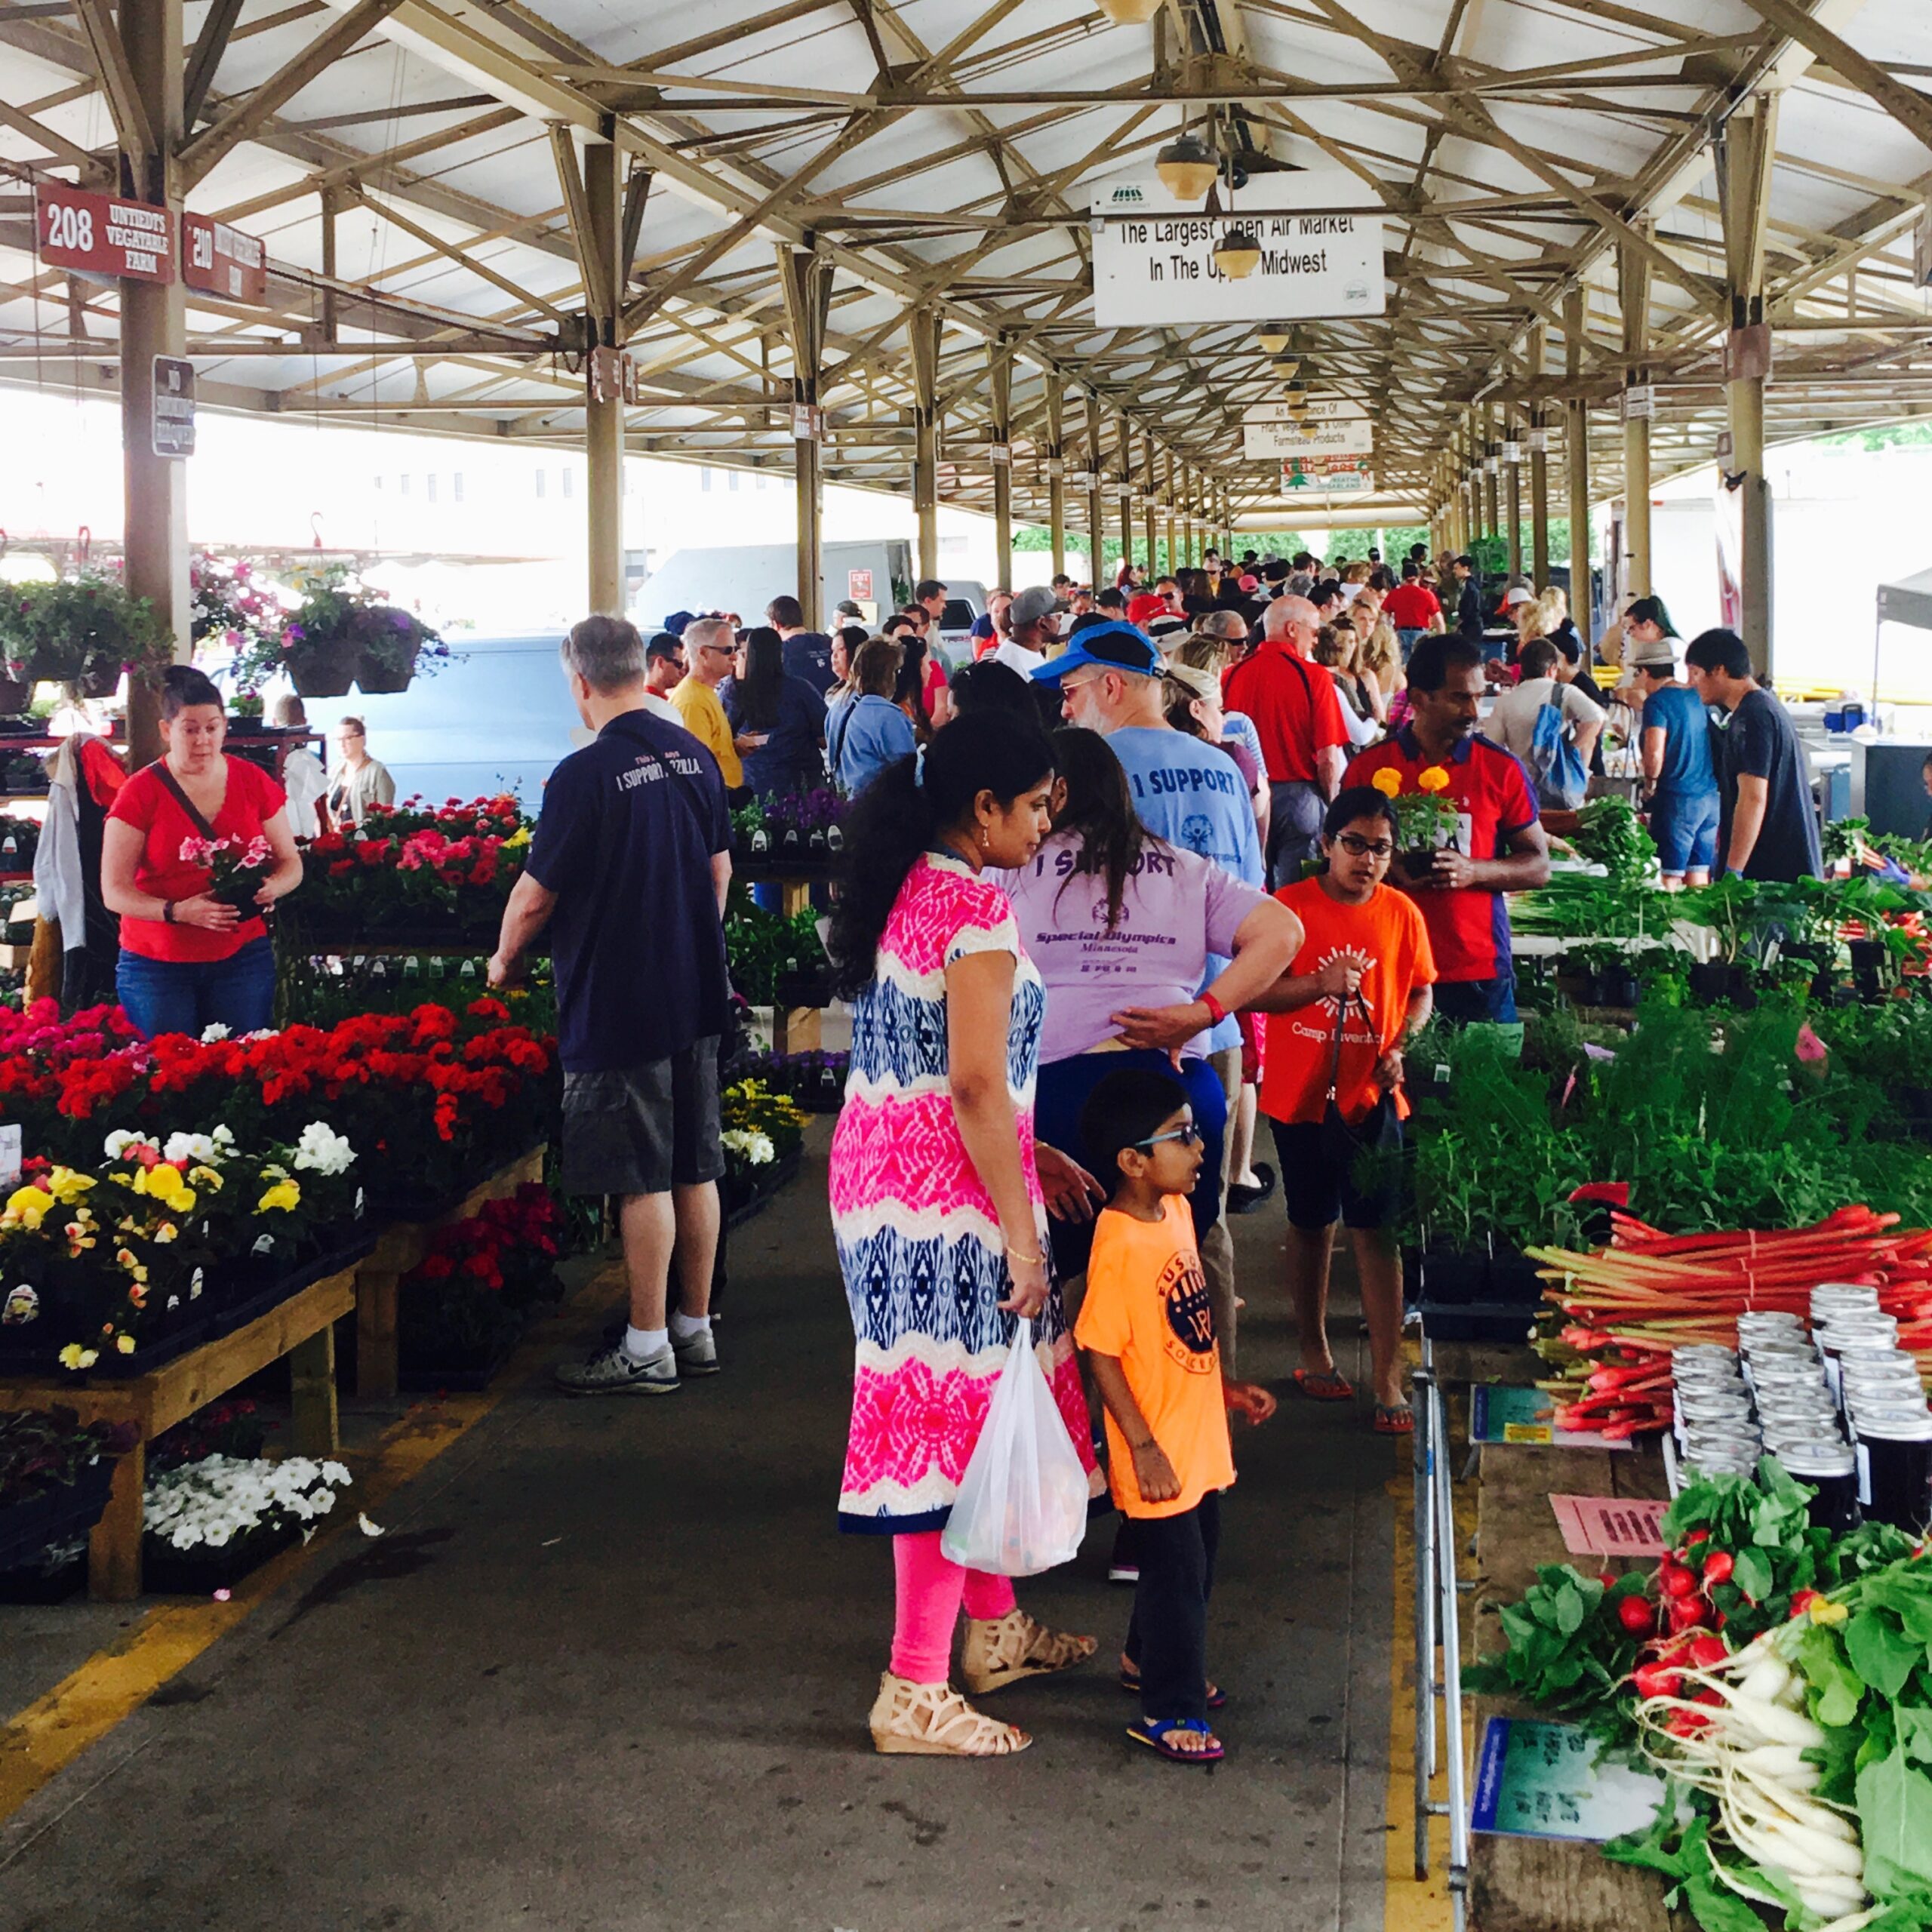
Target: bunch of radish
pixel 1735 1726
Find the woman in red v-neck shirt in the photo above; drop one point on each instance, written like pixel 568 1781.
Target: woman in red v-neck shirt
pixel 188 960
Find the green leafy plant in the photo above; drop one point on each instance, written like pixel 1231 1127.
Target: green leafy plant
pixel 80 628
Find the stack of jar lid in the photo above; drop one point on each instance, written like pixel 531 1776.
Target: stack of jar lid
pixel 1878 1386
pixel 1797 1413
pixel 1717 1429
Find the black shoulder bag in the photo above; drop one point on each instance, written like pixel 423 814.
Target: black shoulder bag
pixel 1343 1141
pixel 171 785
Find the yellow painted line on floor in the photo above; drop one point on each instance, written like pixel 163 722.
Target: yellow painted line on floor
pixel 46 1737
pixel 1409 1904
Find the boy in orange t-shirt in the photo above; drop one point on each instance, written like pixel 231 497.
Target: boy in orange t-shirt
pixel 1365 966
pixel 1147 1328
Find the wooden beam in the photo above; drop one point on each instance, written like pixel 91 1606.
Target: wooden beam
pixel 93 170
pixel 1906 106
pixel 515 291
pixel 131 124
pixel 203 150
pixel 205 58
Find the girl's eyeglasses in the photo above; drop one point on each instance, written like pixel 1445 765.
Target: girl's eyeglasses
pixel 1189 1136
pixel 1365 848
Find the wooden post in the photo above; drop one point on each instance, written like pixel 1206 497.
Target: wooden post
pixel 1124 489
pixel 1057 471
pixel 603 417
pixel 1000 371
pixel 922 326
pixel 1150 514
pixel 1744 155
pixel 1096 504
pixel 153 322
pixel 331 208
pixel 1512 432
pixel 1492 465
pixel 1576 461
pixel 805 277
pixel 1633 279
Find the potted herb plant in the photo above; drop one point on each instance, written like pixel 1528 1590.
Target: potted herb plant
pixel 1426 822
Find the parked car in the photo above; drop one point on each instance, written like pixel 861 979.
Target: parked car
pixel 495 718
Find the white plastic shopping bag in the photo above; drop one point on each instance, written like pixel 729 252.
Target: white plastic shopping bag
pixel 1022 1501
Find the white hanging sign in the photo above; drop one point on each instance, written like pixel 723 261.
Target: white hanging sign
pixel 1539 442
pixel 1154 254
pixel 1002 454
pixel 1276 443
pixel 1640 402
pixel 1316 409
pixel 1512 452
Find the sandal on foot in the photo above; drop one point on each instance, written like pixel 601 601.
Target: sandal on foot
pixel 1156 1732
pixel 1324 1384
pixel 1394 1419
pixel 1129 1680
pixel 934 1720
pixel 1007 1650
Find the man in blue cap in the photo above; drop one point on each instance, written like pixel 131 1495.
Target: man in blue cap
pixel 1111 680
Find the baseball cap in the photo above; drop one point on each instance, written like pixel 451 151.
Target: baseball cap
pixel 1145 604
pixel 1168 631
pixel 1516 595
pixel 1650 611
pixel 1113 646
pixel 676 622
pixel 1194 681
pixel 1037 602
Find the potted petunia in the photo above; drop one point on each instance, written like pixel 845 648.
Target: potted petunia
pixel 345 633
pixel 55 1471
pixel 81 630
pixel 207 1524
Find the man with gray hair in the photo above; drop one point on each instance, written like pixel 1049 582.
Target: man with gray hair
pixel 1298 719
pixel 711 652
pixel 629 868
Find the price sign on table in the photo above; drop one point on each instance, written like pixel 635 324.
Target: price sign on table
pixel 1610 1525
pixel 1540 1780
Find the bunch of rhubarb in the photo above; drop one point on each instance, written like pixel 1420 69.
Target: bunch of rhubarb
pixel 1619 1311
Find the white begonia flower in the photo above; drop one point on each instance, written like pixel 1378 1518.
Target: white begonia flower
pixel 756 1148
pixel 322 1150
pixel 214 1030
pixel 120 1140
pixel 205 1149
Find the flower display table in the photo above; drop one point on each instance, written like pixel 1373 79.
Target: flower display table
pixel 302 1328
pixel 400 1248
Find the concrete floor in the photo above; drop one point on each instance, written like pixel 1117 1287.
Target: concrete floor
pixel 610 1667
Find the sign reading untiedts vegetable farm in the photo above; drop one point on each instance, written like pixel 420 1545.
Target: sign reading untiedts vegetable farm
pixel 103 235
pixel 1154 255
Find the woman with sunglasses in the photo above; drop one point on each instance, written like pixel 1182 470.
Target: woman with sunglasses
pixel 1331 1086
pixel 1121 924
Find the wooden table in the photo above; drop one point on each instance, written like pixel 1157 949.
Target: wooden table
pixel 1535 1884
pixel 401 1247
pixel 302 1328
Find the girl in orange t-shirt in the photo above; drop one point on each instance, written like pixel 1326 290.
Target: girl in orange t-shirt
pixel 1365 968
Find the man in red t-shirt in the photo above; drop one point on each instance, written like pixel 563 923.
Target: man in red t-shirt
pixel 1298 719
pixel 1499 845
pixel 1413 608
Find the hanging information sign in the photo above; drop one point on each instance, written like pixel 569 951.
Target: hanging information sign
pixel 1154 254
pixel 103 236
pixel 223 261
pixel 173 426
pixel 1349 475
pixel 1263 441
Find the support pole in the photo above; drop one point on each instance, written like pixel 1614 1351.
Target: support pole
pixel 1124 489
pixel 923 326
pixel 1097 504
pixel 1512 432
pixel 331 321
pixel 805 279
pixel 1057 471
pixel 1744 154
pixel 1000 373
pixel 1150 514
pixel 1633 278
pixel 603 417
pixel 153 322
pixel 1539 460
pixel 1577 462
pixel 1174 558
pixel 1492 503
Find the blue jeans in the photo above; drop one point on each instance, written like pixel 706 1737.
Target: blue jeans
pixel 189 995
pixel 1062 1092
pixel 1464 1002
pixel 1685 828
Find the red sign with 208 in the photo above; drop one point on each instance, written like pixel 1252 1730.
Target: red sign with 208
pixel 101 235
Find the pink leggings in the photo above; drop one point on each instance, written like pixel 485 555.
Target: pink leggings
pixel 931 1589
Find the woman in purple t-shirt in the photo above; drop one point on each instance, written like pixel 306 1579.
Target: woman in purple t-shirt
pixel 1120 924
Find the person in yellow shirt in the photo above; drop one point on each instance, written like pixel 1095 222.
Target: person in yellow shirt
pixel 711 649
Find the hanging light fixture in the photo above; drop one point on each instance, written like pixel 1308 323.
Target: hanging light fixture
pixel 1273 337
pixel 1286 366
pixel 1186 169
pixel 1237 254
pixel 1129 13
pixel 1310 429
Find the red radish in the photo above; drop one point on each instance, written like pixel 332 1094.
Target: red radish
pixel 1802 1601
pixel 1695 1537
pixel 1674 1580
pixel 1636 1616
pixel 1689 1613
pixel 1705 1651
pixel 1718 1566
pixel 1656 1680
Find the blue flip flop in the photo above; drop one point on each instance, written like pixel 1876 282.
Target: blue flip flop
pixel 1155 1732
pixel 1217 1698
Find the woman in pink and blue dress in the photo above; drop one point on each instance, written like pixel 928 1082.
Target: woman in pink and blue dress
pixel 937 1206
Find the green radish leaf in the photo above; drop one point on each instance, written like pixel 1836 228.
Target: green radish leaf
pixel 1836 1689
pixel 1752 1573
pixel 1653 1848
pixel 1914 1725
pixel 1717 1908
pixel 1569 1610
pixel 1895 1824
pixel 1905 1590
pixel 1879 1653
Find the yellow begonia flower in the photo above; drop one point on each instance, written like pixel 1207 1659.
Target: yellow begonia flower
pixel 1387 781
pixel 1434 779
pixel 74 1356
pixel 66 1186
pixel 125 1343
pixel 164 1184
pixel 1823 1611
pixel 27 1206
pixel 206 1177
pixel 521 836
pixel 285 1195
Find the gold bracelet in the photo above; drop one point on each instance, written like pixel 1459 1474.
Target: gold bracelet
pixel 1031 1260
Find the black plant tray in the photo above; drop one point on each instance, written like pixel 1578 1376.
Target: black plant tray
pixel 768 1183
pixel 421 1204
pixel 189 1332
pixel 258 1291
pixel 71 1510
pixel 167 1571
pixel 28 1585
pixel 466 1379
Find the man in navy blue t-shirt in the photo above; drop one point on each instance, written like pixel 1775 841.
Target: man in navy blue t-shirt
pixel 807 653
pixel 627 868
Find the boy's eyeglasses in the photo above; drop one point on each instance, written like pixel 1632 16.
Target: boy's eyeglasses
pixel 1189 1136
pixel 1365 848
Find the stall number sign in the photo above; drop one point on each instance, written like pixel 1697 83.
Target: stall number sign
pixel 103 236
pixel 173 407
pixel 1154 255
pixel 223 261
pixel 859 585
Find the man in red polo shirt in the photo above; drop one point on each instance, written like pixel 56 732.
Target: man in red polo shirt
pixel 1413 608
pixel 1298 719
pixel 1499 846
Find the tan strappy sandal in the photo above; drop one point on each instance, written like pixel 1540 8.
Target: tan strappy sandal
pixel 1010 1649
pixel 934 1720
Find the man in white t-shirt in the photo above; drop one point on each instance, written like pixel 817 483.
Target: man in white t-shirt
pixel 1512 722
pixel 1031 631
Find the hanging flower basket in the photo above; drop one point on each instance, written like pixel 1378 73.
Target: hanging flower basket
pixel 75 630
pixel 319 666
pixel 15 695
pixel 100 677
pixel 345 633
pixel 375 675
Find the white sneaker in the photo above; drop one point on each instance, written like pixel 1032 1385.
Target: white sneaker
pixel 613 1370
pixel 697 1354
